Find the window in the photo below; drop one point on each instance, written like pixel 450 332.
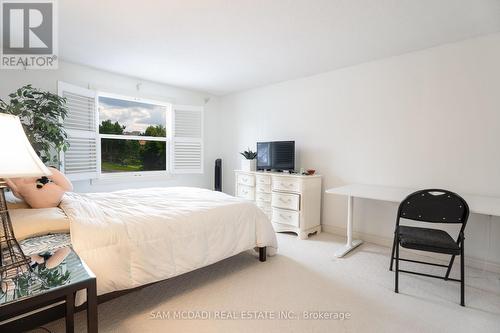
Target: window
pixel 114 135
pixel 133 134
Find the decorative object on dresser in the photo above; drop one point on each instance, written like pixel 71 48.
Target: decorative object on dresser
pixel 291 201
pixel 18 160
pixel 249 163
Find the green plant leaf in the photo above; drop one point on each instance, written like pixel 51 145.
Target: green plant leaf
pixel 42 114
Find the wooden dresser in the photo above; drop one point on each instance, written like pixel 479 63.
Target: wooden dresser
pixel 292 202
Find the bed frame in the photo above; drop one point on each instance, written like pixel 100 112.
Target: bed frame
pixel 48 315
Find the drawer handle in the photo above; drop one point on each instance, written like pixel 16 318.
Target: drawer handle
pixel 244 191
pixel 285 217
pixel 285 201
pixel 245 179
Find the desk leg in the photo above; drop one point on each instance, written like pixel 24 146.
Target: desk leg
pixel 92 307
pixel 351 244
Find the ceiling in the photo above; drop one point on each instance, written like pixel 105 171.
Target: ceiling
pixel 224 46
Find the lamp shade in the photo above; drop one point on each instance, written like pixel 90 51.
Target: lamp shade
pixel 17 157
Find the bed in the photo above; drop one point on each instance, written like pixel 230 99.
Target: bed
pixel 136 237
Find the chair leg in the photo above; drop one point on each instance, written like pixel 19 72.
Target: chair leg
pixel 396 281
pixel 392 252
pixel 449 267
pixel 462 276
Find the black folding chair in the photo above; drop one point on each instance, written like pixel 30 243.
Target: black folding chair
pixel 432 206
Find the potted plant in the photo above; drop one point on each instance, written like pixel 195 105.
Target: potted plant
pixel 42 114
pixel 249 163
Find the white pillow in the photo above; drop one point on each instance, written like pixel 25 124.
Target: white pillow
pixel 38 222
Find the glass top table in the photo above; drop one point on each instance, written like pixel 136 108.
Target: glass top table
pixel 54 265
pixel 56 274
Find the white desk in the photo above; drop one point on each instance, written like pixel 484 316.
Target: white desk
pixel 477 204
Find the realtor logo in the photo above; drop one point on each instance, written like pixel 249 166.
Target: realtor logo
pixel 28 34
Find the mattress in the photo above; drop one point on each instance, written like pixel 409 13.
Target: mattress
pixel 135 237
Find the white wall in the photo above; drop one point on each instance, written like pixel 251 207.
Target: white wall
pixel 90 78
pixel 424 119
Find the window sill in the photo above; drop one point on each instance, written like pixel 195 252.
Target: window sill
pixel 131 177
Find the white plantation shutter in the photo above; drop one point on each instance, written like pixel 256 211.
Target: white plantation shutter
pixel 80 161
pixel 187 139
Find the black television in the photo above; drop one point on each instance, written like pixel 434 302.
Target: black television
pixel 276 155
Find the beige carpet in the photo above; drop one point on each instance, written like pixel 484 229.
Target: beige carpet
pixel 305 276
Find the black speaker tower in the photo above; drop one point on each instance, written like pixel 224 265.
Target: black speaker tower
pixel 218 175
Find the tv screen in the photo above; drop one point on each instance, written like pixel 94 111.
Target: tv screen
pixel 276 155
pixel 264 156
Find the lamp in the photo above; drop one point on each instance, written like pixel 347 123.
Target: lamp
pixel 17 159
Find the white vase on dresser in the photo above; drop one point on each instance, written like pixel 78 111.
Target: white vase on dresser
pixel 248 165
pixel 291 201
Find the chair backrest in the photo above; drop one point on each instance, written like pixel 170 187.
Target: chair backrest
pixel 436 206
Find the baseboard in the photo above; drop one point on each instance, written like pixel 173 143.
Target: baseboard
pixel 472 262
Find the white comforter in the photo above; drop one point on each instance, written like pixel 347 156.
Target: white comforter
pixel 134 237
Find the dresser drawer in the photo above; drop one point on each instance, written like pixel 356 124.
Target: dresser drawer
pixel 286 184
pixel 263 179
pixel 284 216
pixel 245 179
pixel 285 200
pixel 265 206
pixel 263 197
pixel 264 188
pixel 246 192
